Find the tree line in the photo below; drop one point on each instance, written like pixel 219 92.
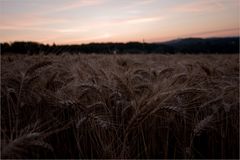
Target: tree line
pixel 189 45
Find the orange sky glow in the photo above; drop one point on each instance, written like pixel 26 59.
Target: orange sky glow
pixel 85 21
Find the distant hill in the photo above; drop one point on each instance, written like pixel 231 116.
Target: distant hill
pixel 187 45
pixel 208 45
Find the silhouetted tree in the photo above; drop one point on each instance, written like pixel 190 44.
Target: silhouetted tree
pixel 189 45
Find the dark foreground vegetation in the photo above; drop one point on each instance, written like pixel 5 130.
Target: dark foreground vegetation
pixel 190 45
pixel 119 106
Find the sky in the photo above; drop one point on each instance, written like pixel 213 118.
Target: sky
pixel 85 21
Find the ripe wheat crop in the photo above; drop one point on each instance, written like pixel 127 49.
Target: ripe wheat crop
pixel 119 106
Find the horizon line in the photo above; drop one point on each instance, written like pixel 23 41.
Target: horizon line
pixel 143 41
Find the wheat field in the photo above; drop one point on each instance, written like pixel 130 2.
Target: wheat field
pixel 119 106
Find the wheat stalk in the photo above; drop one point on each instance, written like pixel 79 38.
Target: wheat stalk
pixel 203 125
pixel 37 66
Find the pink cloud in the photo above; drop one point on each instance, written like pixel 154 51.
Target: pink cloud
pixel 72 5
pixel 200 6
pixel 144 2
pixel 28 22
pixel 142 20
pixel 100 31
pixel 115 22
pixel 135 4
